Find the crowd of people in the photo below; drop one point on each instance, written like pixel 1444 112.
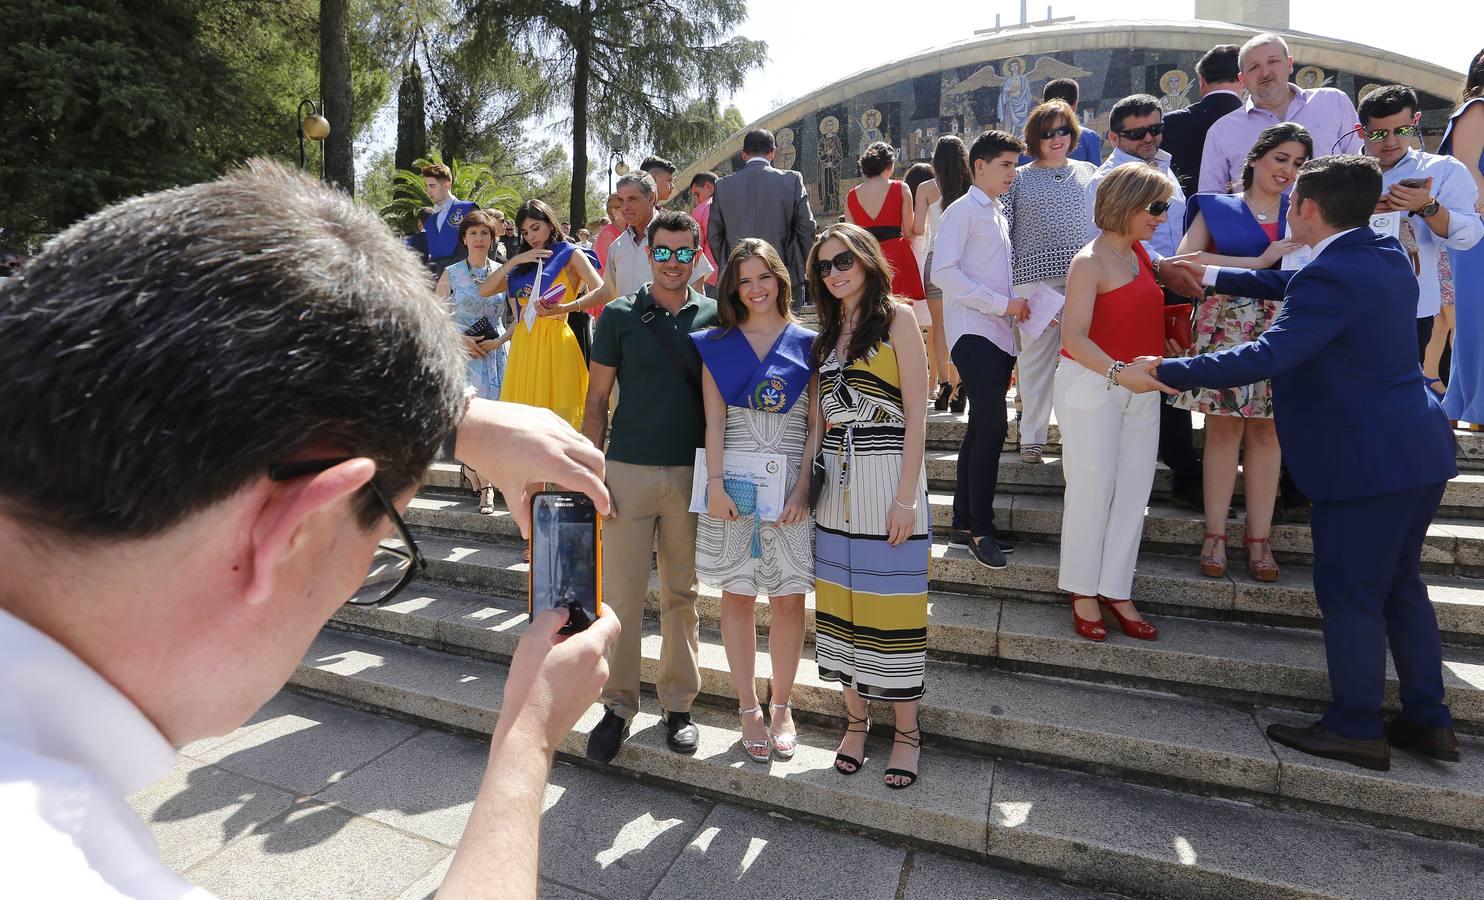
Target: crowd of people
pixel 1031 260
pixel 1293 299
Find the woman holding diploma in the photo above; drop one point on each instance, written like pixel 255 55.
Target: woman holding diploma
pixel 871 536
pixel 545 367
pixel 759 388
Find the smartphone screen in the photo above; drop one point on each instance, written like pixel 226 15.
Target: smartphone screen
pixel 566 560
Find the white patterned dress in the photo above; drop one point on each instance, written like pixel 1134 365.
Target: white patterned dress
pixel 724 549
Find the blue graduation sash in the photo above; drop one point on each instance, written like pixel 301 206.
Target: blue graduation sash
pixel 522 281
pixel 444 242
pixel 771 385
pixel 1234 230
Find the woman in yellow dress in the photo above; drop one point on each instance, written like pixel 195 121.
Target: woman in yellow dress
pixel 545 367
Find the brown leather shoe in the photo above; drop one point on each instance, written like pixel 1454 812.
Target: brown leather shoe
pixel 1439 743
pixel 1316 740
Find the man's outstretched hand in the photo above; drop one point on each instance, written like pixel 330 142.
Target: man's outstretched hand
pixel 515 446
pixel 1138 376
pixel 1182 275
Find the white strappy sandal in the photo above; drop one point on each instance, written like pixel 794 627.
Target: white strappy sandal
pixel 786 743
pixel 758 751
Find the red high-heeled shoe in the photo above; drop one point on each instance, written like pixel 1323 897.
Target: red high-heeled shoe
pixel 1092 629
pixel 1144 631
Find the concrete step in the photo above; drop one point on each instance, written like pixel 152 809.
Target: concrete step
pixel 1239 660
pixel 1162 581
pixel 1463 498
pixel 1153 737
pixel 1095 831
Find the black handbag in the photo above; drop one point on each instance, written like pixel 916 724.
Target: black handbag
pixel 817 474
pixel 482 329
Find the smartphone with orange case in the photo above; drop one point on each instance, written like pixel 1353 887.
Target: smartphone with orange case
pixel 566 558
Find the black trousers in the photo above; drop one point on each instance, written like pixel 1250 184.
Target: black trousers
pixel 581 324
pixel 984 371
pixel 1177 448
pixel 1424 336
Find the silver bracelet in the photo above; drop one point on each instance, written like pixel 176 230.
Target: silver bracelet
pixel 912 508
pixel 1113 371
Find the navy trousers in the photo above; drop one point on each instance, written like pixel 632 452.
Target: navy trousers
pixel 1367 553
pixel 984 369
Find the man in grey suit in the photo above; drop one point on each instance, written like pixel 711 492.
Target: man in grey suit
pixel 759 201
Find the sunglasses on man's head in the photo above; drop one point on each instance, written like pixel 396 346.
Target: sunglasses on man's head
pixel 686 255
pixel 842 262
pixel 1377 135
pixel 1158 208
pixel 1059 131
pixel 1137 134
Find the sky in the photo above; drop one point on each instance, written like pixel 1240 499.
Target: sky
pixel 813 43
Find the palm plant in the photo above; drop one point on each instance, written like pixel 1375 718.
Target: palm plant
pixel 471 181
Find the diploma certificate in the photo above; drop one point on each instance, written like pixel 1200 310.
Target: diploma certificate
pixel 769 471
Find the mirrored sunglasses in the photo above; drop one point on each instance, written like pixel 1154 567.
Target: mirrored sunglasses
pixel 685 255
pixel 1377 135
pixel 844 262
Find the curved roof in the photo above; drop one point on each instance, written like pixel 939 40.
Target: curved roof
pixel 1174 34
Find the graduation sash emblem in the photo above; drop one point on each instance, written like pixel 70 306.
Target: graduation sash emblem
pixel 772 384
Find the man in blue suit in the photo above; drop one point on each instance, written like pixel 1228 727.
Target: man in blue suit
pixel 1366 440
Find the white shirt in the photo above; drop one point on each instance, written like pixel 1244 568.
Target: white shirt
pixel 1208 276
pixel 72 749
pixel 628 263
pixel 1167 236
pixel 1454 188
pixel 443 208
pixel 971 266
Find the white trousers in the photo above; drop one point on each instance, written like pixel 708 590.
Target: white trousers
pixel 1035 375
pixel 1109 443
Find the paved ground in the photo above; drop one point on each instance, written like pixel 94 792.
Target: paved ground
pixel 311 799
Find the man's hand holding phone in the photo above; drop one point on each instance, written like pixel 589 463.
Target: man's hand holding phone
pixel 554 678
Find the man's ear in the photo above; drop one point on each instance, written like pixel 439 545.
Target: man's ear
pixel 278 526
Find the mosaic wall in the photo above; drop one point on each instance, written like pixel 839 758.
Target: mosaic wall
pixel 913 113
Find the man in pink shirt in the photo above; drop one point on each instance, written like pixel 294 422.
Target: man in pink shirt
pixel 702 189
pixel 1266 66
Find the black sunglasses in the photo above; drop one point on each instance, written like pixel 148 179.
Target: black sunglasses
pixel 396 561
pixel 686 255
pixel 1137 134
pixel 1059 131
pixel 842 262
pixel 1158 208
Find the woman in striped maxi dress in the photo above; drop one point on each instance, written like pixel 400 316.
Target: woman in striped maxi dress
pixel 872 539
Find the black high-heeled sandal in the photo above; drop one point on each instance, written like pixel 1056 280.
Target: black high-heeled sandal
pixel 851 722
pixel 905 737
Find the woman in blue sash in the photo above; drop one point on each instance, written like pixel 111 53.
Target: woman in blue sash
pixel 1244 231
pixel 758 387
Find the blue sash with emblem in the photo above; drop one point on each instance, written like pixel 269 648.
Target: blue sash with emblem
pixel 443 240
pixel 1234 230
pixel 772 384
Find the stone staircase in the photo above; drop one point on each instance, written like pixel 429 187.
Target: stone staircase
pixel 1129 767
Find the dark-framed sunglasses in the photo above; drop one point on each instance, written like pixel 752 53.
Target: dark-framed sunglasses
pixel 1058 131
pixel 1158 208
pixel 843 262
pixel 1137 134
pixel 1377 135
pixel 685 255
pixel 396 561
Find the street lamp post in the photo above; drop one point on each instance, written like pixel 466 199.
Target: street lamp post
pixel 313 126
pixel 616 165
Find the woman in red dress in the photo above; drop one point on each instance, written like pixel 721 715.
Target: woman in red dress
pixel 892 223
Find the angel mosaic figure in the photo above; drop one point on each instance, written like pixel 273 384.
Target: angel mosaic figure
pixel 1016 99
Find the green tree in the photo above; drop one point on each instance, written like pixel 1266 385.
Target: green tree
pixel 622 68
pixel 686 138
pixel 471 181
pixel 412 117
pixel 337 92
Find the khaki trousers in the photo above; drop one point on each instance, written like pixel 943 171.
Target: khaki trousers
pixel 650 501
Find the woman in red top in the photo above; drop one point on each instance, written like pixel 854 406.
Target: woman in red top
pixel 892 223
pixel 1114 314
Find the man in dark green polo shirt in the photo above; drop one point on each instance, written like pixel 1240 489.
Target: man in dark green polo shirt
pixel 642 344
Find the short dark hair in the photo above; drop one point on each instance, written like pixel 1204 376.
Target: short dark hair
pixel 657 162
pixel 991 144
pixel 215 351
pixel 1064 89
pixel 1346 187
pixel 1219 64
pixel 1134 105
pixel 673 220
pixel 878 158
pixel 758 142
pixel 1386 101
pixel 702 177
pixel 424 213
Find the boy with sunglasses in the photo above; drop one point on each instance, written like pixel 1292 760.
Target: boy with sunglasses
pixel 643 346
pixel 1435 193
pixel 972 266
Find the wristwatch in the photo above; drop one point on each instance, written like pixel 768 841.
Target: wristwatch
pixel 1431 209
